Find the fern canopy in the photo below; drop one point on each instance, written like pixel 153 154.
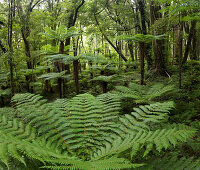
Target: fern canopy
pixel 142 94
pixel 85 132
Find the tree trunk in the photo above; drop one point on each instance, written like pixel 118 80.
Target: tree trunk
pixel 142 56
pixel 136 51
pixel 158 45
pixel 180 54
pixel 60 87
pixel 190 36
pixel 104 87
pixel 76 76
pixel 2 101
pixel 47 86
pixel 130 47
pixel 62 47
pixel 176 46
pixel 10 28
pixel 194 46
pixel 25 33
pixel 147 49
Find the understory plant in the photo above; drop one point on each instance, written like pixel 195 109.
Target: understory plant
pixel 85 132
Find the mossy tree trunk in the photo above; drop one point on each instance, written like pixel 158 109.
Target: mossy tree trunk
pixel 158 45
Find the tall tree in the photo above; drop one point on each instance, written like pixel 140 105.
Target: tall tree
pixel 10 32
pixel 147 48
pixel 24 15
pixel 189 41
pixel 73 16
pixel 158 45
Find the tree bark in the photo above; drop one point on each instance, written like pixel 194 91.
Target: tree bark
pixel 76 67
pixel 180 54
pixel 130 47
pixel 190 37
pixel 62 47
pixel 176 46
pixel 76 76
pixel 158 45
pixel 194 46
pixel 10 28
pixel 147 49
pixel 142 56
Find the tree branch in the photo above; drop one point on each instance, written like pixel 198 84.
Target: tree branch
pixel 76 11
pixel 106 37
pixel 31 8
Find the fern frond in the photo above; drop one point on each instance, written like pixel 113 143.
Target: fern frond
pixel 172 162
pixel 112 106
pixel 138 120
pixel 136 132
pixel 142 94
pixel 46 118
pixel 111 163
pixel 20 100
pixel 17 139
pixel 162 139
pixel 85 132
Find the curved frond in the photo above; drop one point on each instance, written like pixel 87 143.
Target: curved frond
pixel 142 94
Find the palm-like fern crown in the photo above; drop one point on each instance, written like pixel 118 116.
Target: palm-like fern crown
pixel 61 34
pixel 142 94
pixel 85 132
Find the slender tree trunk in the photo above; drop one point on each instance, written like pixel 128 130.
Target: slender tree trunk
pixel 136 51
pixel 60 80
pixel 190 37
pixel 60 87
pixel 62 47
pixel 2 101
pixel 103 83
pixel 91 73
pixel 194 46
pixel 147 49
pixel 130 47
pixel 176 46
pixel 47 83
pixel 25 33
pixel 76 67
pixel 142 56
pixel 76 75
pixel 180 54
pixel 10 28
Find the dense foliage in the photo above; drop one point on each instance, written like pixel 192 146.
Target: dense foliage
pixel 99 84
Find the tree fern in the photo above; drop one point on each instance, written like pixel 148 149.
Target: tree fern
pixel 85 132
pixel 17 139
pixel 142 94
